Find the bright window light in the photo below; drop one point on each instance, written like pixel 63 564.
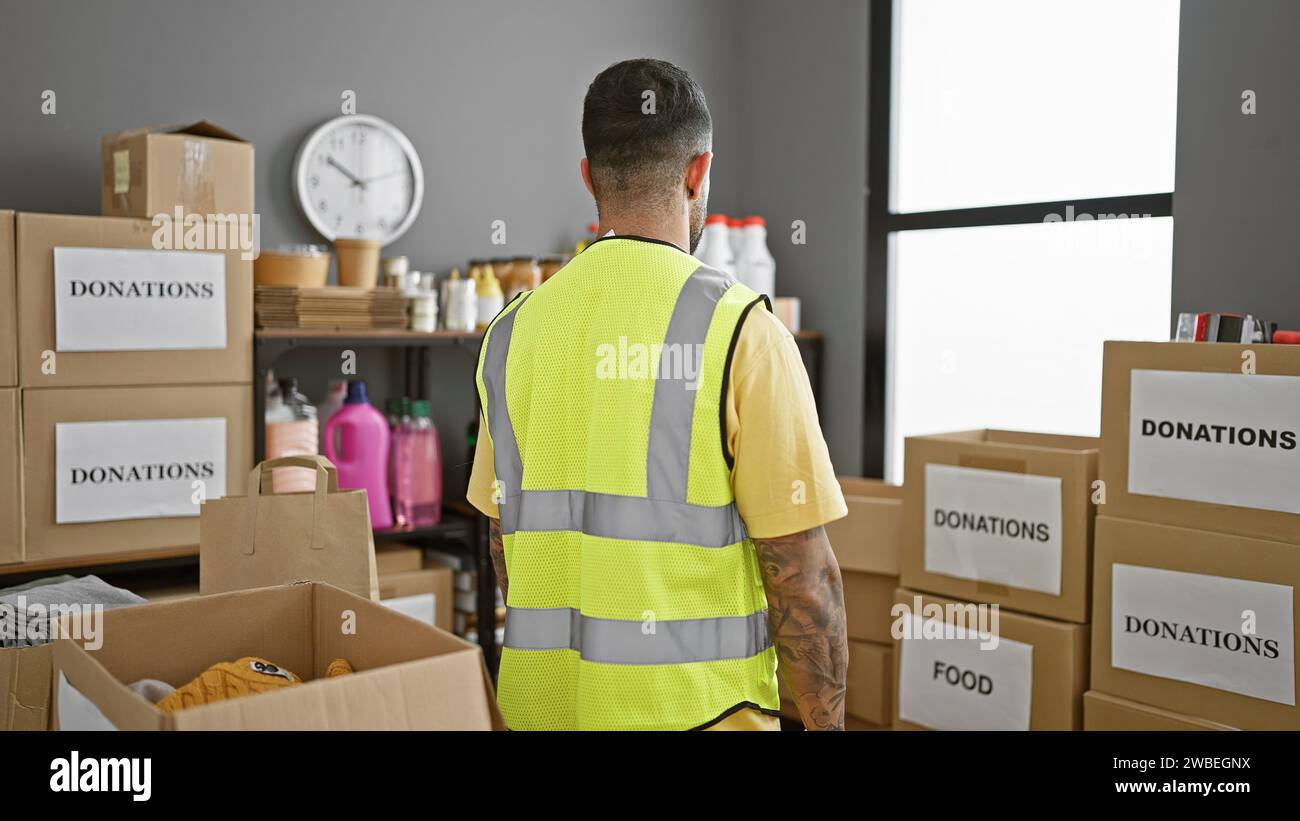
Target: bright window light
pixel 1014 101
pixel 1003 326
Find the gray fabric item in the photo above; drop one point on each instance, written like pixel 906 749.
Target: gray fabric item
pixel 18 588
pixel 85 591
pixel 152 690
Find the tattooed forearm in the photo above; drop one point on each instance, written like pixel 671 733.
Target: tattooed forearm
pixel 498 550
pixel 805 610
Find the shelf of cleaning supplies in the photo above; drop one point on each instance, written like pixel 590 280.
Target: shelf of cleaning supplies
pixel 460 523
pixel 452 526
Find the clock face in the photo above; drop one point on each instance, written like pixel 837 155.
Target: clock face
pixel 359 177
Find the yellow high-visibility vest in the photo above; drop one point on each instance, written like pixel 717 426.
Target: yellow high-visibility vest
pixel 635 596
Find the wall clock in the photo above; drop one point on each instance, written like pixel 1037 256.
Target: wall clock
pixel 358 177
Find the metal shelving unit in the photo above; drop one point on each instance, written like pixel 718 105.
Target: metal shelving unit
pixel 460 523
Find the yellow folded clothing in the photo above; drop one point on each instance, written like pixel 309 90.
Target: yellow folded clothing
pixel 232 679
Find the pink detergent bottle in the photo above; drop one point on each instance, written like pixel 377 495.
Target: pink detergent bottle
pixel 426 466
pixel 357 442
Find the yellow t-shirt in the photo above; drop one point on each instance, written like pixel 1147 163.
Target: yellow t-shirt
pixel 782 476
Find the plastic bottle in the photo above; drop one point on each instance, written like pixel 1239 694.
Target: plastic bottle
pixel 701 247
pixel 755 266
pixel 717 245
pixel 399 462
pixel 735 233
pixel 591 237
pixel 426 466
pixel 329 405
pixel 357 441
pixel 490 298
pixel 291 430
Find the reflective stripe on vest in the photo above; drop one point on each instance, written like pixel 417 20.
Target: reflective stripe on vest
pixel 617 641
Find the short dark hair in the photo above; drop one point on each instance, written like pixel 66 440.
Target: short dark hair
pixel 637 145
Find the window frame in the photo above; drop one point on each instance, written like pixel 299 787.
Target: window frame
pixel 883 223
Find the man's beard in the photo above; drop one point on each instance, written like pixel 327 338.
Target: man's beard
pixel 699 209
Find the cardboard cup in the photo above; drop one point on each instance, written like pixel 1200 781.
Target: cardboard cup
pixel 358 262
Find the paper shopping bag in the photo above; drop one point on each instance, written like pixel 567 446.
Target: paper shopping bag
pixel 266 539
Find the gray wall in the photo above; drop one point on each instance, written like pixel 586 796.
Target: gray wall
pixel 1238 176
pixel 489 91
pixel 803 143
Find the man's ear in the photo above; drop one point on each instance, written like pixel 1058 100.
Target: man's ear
pixel 585 167
pixel 697 174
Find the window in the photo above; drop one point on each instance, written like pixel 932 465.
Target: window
pixel 1026 150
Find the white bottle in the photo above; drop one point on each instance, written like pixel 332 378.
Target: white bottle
pixel 755 266
pixel 736 235
pixel 329 405
pixel 701 246
pixel 717 245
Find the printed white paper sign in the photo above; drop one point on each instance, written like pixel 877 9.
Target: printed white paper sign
pixel 1192 627
pixel 994 526
pixel 421 606
pixel 1229 439
pixel 140 469
pixel 123 299
pixel 954 684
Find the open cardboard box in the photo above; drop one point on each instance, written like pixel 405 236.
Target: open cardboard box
pixel 25 688
pixel 409 675
pixel 199 167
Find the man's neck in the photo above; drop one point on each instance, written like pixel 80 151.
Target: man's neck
pixel 676 231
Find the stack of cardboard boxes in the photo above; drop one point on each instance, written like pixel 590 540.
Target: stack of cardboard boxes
pixel 125 368
pixel 866 544
pixel 995 518
pixel 1198 544
pixel 133 366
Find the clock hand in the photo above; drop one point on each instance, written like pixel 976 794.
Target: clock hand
pixel 383 176
pixel 355 179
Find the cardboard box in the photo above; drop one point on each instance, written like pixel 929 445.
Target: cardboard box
pixel 869 539
pixel 1033 678
pixel 25 685
pixel 868 598
pixel 1102 711
pixel 105 475
pixel 199 167
pixel 397 558
pixel 1175 421
pixel 8 303
pixel 421 594
pixel 1170 617
pixel 11 477
pixel 870 685
pixel 409 676
pixel 871 682
pixel 156 300
pixel 1001 517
